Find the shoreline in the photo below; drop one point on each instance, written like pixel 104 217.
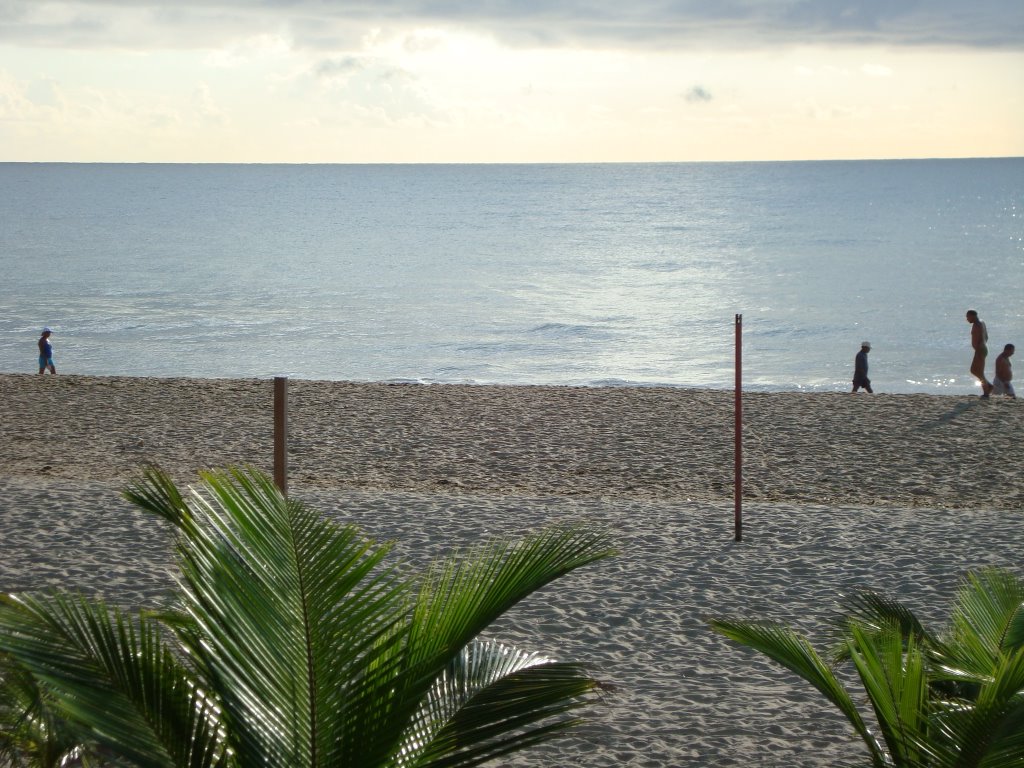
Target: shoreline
pixel 834 388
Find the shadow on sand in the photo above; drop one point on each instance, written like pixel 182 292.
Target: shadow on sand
pixel 958 410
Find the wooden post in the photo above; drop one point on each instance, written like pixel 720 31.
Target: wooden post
pixel 281 433
pixel 738 489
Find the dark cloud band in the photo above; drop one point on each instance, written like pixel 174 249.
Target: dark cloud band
pixel 583 23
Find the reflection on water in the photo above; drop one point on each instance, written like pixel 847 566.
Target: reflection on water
pixel 520 274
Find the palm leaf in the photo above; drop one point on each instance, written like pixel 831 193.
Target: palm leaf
pixel 986 621
pixel 288 608
pixel 155 492
pixel 114 677
pixel 793 652
pixel 988 731
pixel 875 613
pixel 301 648
pixel 892 671
pixel 32 732
pixel 460 598
pixel 1014 640
pixel 955 700
pixel 492 700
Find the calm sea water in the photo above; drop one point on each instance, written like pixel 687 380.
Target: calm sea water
pixel 564 274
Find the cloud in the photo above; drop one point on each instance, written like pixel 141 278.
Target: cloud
pixel 338 67
pixel 339 25
pixel 876 70
pixel 698 94
pixel 206 107
pixel 15 106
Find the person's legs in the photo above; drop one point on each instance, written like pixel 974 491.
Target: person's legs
pixel 1000 387
pixel 978 371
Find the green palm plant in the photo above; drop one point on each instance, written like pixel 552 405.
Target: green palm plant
pixel 955 699
pixel 293 644
pixel 30 732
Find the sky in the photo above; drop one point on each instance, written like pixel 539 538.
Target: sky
pixel 497 81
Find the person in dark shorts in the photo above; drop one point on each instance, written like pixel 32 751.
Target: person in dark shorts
pixel 860 368
pixel 46 352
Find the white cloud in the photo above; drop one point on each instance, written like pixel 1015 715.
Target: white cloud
pixel 206 106
pixel 15 106
pixel 240 53
pixel 876 70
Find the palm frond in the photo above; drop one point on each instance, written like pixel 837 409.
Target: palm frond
pixel 457 600
pixel 876 613
pixel 985 620
pixel 949 701
pixel 288 608
pixel 32 732
pixel 988 731
pixel 492 700
pixel 109 674
pixel 1015 630
pixel 298 647
pixel 155 492
pixel 792 651
pixel 893 672
pixel 462 597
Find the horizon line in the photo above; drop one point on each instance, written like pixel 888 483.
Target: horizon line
pixel 510 162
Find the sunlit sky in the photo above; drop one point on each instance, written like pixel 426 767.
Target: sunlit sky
pixel 343 81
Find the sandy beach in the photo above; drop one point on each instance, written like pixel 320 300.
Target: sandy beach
pixel 901 493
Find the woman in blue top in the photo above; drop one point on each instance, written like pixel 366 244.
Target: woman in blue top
pixel 46 352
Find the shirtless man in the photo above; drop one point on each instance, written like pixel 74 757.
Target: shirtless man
pixel 1004 373
pixel 979 340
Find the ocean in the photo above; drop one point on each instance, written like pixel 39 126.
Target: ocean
pixel 605 274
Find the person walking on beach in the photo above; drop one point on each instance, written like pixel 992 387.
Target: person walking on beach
pixel 860 368
pixel 46 352
pixel 979 340
pixel 1004 373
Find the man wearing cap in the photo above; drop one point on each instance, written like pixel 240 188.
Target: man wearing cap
pixel 860 368
pixel 46 352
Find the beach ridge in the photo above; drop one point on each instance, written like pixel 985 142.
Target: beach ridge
pixel 650 443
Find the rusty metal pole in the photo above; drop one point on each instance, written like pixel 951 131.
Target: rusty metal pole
pixel 738 490
pixel 281 433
